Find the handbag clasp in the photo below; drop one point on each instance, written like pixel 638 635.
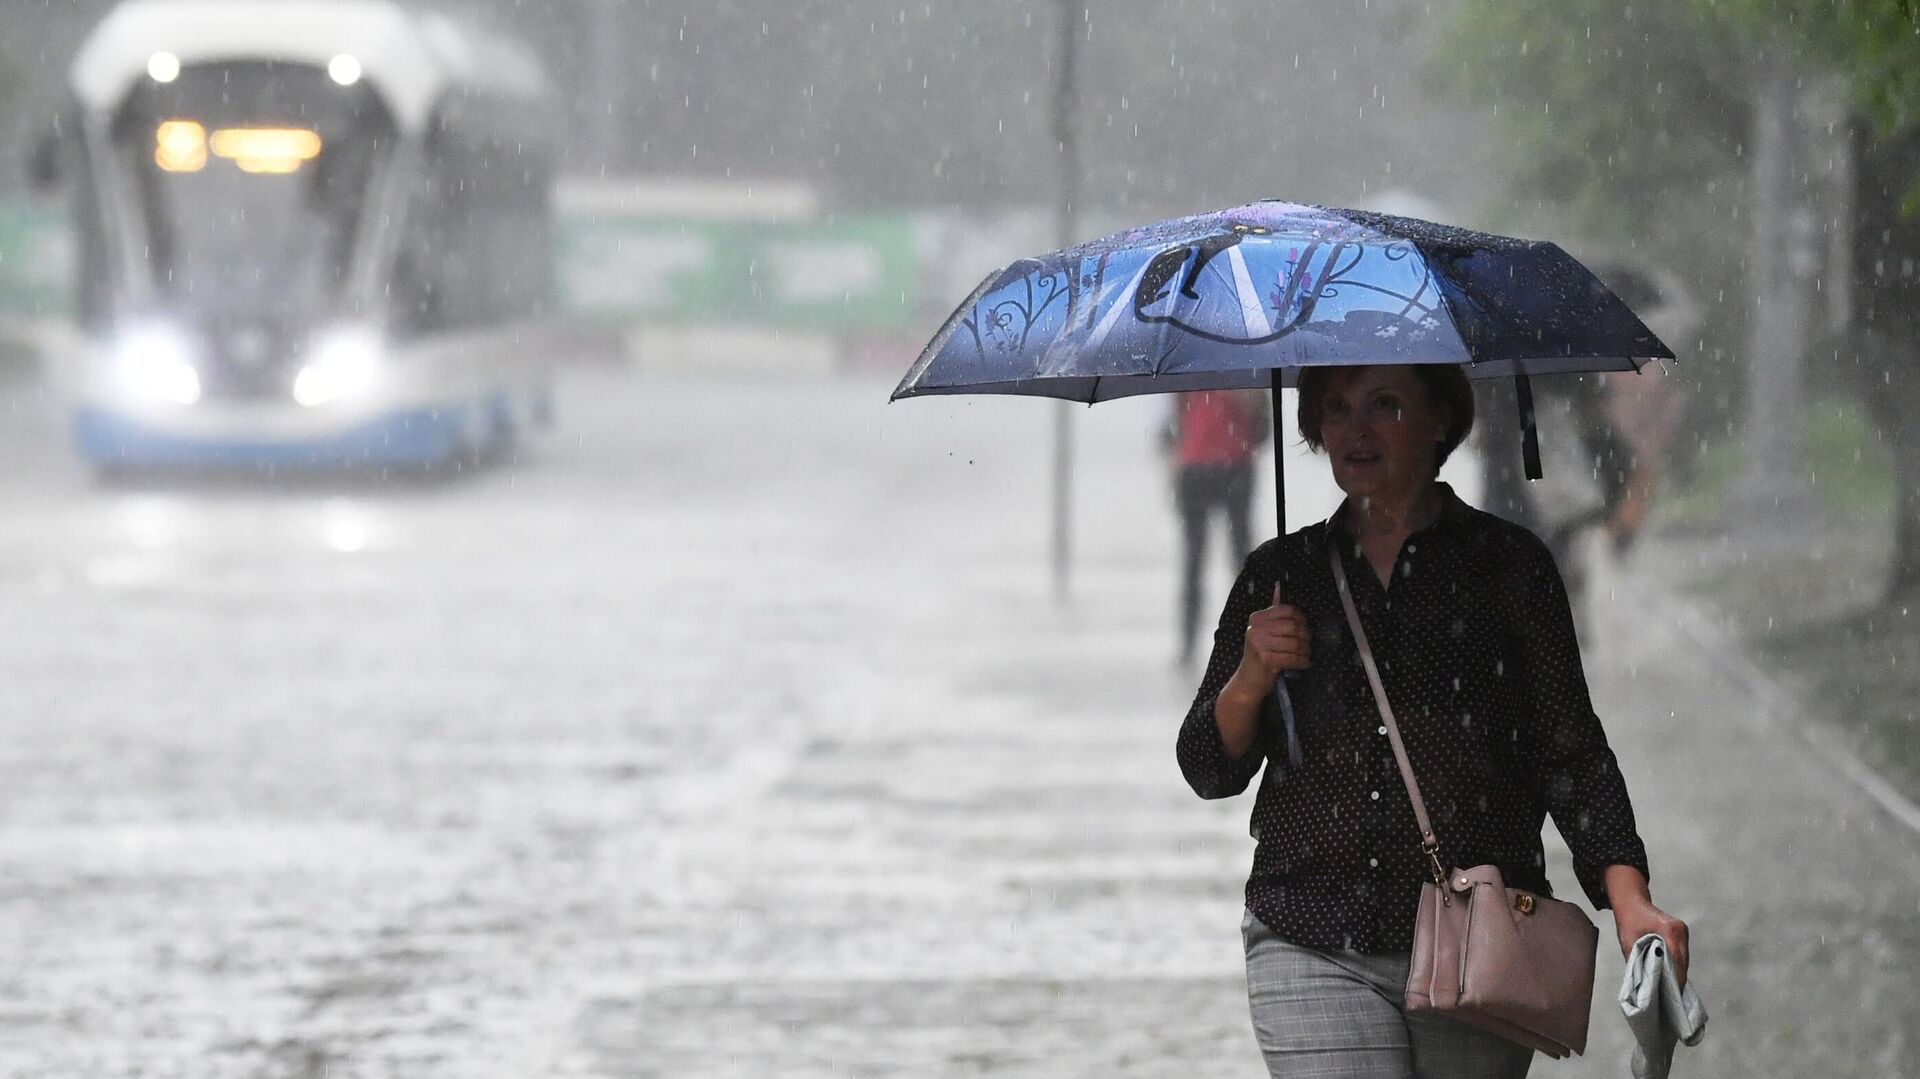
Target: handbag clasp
pixel 1432 849
pixel 1523 902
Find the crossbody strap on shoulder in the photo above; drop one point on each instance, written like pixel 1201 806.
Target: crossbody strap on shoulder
pixel 1428 841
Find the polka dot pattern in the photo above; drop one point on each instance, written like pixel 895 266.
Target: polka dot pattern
pixel 1476 646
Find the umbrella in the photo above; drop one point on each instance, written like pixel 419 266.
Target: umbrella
pixel 1243 298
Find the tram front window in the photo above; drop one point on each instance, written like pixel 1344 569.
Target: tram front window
pixel 251 181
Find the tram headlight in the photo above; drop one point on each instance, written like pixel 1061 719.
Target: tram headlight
pixel 157 362
pixel 343 365
pixel 344 69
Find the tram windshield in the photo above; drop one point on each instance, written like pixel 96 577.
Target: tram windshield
pixel 250 181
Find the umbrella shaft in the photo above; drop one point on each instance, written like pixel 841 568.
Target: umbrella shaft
pixel 1279 463
pixel 1280 689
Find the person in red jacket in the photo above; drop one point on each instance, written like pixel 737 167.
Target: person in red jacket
pixel 1211 441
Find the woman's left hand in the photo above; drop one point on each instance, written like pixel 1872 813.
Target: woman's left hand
pixel 1636 917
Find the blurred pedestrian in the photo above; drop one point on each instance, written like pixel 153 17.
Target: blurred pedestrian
pixel 1474 641
pixel 1211 440
pixel 1606 439
pixel 1585 464
pixel 1645 409
pixel 1603 439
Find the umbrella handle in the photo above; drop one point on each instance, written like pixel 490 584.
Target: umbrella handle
pixel 1286 715
pixel 1529 432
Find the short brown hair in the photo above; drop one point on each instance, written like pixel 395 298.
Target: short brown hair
pixel 1446 385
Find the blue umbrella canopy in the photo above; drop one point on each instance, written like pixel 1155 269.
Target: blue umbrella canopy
pixel 1226 299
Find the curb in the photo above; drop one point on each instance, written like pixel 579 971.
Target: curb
pixel 1776 701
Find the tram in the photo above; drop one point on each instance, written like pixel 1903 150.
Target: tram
pixel 310 234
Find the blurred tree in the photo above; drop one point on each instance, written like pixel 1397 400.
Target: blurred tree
pixel 1875 46
pixel 1871 50
pixel 1629 124
pixel 1651 124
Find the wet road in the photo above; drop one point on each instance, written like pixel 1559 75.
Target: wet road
pixel 733 731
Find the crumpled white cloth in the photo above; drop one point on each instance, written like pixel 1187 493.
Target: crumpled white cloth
pixel 1658 1011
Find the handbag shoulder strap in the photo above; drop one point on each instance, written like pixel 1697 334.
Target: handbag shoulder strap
pixel 1428 841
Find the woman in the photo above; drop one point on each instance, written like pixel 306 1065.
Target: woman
pixel 1470 624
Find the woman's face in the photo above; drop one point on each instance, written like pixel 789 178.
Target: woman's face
pixel 1382 432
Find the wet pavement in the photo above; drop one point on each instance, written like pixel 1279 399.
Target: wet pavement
pixel 734 731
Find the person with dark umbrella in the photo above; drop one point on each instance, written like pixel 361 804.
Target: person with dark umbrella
pixel 1475 643
pixel 1380 321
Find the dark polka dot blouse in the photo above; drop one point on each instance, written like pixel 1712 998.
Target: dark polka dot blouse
pixel 1475 643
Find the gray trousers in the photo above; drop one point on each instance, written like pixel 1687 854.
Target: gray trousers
pixel 1340 1015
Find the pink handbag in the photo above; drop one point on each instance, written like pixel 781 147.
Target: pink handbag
pixel 1507 961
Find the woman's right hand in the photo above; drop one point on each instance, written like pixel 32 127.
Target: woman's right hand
pixel 1277 641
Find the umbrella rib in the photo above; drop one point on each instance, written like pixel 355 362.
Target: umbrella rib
pixel 1160 365
pixel 1446 305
